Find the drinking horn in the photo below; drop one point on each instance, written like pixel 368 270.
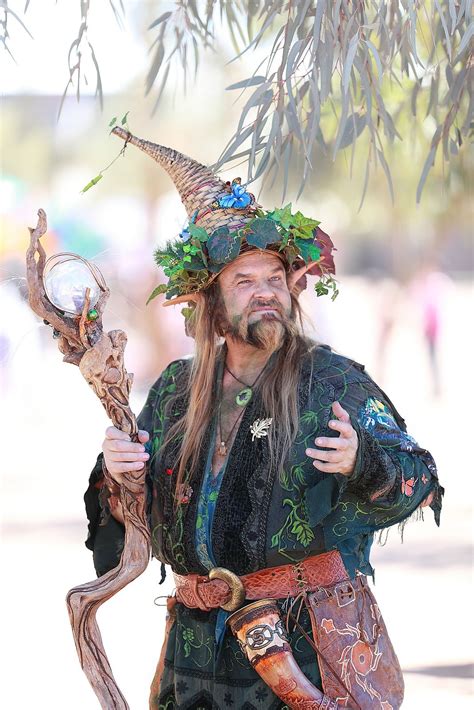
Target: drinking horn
pixel 259 629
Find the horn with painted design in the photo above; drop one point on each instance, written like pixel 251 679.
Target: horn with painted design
pixel 262 637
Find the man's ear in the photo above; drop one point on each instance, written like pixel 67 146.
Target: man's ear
pixel 187 298
pixel 296 279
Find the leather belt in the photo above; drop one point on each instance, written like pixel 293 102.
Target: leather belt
pixel 222 588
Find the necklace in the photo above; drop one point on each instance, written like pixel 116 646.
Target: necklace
pixel 244 396
pixel 242 399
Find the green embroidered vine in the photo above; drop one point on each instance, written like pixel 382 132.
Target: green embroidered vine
pixel 296 528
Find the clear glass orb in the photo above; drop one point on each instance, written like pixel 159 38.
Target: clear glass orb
pixel 66 282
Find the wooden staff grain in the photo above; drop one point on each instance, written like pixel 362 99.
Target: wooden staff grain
pixel 100 358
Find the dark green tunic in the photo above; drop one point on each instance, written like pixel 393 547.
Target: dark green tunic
pixel 263 519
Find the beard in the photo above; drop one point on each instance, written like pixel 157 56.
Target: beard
pixel 268 333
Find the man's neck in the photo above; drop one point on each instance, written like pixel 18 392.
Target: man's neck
pixel 244 359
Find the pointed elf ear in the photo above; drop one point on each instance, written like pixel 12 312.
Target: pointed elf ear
pixel 296 280
pixel 187 298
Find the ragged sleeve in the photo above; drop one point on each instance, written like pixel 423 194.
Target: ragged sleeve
pixel 105 534
pixel 393 475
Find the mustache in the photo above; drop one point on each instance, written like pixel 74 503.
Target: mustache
pixel 265 303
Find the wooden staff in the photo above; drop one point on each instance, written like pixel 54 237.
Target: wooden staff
pixel 99 357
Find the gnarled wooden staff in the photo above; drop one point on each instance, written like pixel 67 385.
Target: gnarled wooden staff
pixel 99 356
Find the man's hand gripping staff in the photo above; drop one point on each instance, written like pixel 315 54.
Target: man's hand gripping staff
pixel 99 357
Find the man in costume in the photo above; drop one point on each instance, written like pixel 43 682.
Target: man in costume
pixel 272 462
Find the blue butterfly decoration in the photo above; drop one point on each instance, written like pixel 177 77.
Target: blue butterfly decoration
pixel 238 198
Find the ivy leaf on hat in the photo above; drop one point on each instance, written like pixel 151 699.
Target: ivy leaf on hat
pixel 262 232
pixel 303 227
pixel 222 246
pixel 308 250
pixel 282 216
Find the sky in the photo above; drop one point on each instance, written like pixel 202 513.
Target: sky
pixel 40 65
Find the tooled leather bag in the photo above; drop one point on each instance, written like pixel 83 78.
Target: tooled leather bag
pixel 356 658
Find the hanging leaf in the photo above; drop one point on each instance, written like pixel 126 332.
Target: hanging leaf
pixel 93 182
pixel 253 81
pixel 162 288
pixel 113 121
pixel 124 119
pixel 222 246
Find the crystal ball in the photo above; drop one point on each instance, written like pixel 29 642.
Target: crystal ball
pixel 66 283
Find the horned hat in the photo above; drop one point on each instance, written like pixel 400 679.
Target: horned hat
pixel 224 222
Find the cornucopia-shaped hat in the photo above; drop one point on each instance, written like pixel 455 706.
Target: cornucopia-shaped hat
pixel 225 222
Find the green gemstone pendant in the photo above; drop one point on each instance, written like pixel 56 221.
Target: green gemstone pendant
pixel 244 396
pixel 92 315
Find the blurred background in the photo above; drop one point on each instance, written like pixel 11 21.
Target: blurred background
pixel 404 310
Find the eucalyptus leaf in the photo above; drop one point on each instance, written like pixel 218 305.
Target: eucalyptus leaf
pixel 253 81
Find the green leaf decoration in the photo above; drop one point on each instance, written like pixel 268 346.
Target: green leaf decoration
pixel 187 312
pixel 223 246
pixel 193 263
pixel 124 119
pixel 262 232
pixel 308 250
pixel 198 232
pixel 93 182
pixel 304 227
pixel 113 121
pixel 283 216
pixel 156 292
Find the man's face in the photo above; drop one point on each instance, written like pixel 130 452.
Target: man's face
pixel 256 299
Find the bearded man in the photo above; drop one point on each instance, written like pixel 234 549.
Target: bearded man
pixel 272 462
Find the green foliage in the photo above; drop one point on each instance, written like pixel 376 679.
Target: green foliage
pixel 327 284
pixel 332 76
pixel 92 182
pixel 308 250
pixel 188 264
pixel 95 180
pixel 156 292
pixel 222 246
pixel 336 75
pixel 262 232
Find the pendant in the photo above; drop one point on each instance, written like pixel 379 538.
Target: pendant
pixel 244 396
pixel 222 449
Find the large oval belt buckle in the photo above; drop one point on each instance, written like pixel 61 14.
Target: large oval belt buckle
pixel 237 590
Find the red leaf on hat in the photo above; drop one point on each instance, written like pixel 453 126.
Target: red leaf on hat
pixel 324 242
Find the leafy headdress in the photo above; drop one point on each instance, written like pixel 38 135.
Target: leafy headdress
pixel 225 222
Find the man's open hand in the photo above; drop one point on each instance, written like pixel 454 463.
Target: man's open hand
pixel 342 457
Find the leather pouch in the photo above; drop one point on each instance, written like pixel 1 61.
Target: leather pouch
pixel 359 667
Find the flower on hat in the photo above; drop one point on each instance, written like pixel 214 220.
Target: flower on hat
pixel 225 221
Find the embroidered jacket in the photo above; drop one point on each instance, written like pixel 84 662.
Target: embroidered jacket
pixel 263 519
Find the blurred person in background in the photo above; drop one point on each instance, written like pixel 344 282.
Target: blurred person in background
pixel 272 462
pixel 429 289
